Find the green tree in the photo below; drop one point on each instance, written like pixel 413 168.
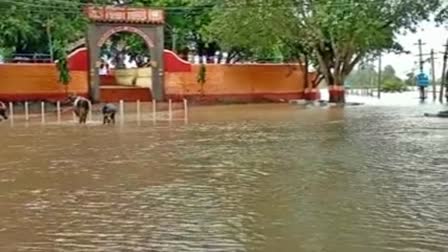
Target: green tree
pixel 392 83
pixel 340 32
pixel 442 14
pixel 28 26
pixel 121 44
pixel 364 77
pixel 185 19
pixel 257 32
pixel 64 72
pixel 389 72
pixel 410 79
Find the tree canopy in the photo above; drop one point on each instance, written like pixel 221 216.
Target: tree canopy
pixel 28 26
pixel 366 77
pixel 338 34
pixel 391 82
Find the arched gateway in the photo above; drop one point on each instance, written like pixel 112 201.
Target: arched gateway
pixel 107 20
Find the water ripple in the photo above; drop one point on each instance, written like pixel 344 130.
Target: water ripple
pixel 364 179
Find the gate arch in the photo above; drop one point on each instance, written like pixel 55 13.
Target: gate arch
pixel 106 21
pixel 102 40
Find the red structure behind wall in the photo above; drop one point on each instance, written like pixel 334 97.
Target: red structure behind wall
pixel 78 60
pixel 111 91
pixel 174 64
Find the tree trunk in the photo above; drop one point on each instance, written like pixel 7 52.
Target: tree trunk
pixel 231 56
pixel 211 50
pixel 337 93
pixel 325 69
pixel 201 51
pixel 220 56
pixel 306 85
pixel 336 86
pixel 228 60
pixel 445 85
pixel 317 80
pixel 332 95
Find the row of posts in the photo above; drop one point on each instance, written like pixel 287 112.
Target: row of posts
pixel 362 92
pixel 121 111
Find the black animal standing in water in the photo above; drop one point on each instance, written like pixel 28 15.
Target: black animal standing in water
pixel 109 111
pixel 81 107
pixel 3 111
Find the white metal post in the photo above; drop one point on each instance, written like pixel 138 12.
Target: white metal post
pixel 185 110
pixel 11 111
pixel 27 112
pixel 42 111
pixel 170 110
pixel 154 110
pixel 58 111
pixel 138 111
pixel 121 111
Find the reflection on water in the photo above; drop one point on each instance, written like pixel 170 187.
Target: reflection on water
pixel 236 178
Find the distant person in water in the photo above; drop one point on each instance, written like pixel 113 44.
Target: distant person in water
pixel 3 111
pixel 109 110
pixel 81 107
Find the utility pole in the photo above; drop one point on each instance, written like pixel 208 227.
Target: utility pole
pixel 50 40
pixel 433 73
pixel 371 76
pixel 443 83
pixel 421 62
pixel 445 58
pixel 174 37
pixel 420 55
pixel 379 75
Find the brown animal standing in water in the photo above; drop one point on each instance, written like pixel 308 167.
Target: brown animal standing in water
pixel 3 111
pixel 81 107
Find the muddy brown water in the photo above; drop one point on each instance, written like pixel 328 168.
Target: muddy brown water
pixel 235 178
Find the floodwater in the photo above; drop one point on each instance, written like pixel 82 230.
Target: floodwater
pixel 235 178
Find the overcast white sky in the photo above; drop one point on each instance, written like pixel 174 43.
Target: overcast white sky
pixel 434 37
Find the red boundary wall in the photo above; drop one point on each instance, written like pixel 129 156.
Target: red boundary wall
pixel 233 83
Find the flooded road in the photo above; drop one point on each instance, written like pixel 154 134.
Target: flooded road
pixel 235 178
